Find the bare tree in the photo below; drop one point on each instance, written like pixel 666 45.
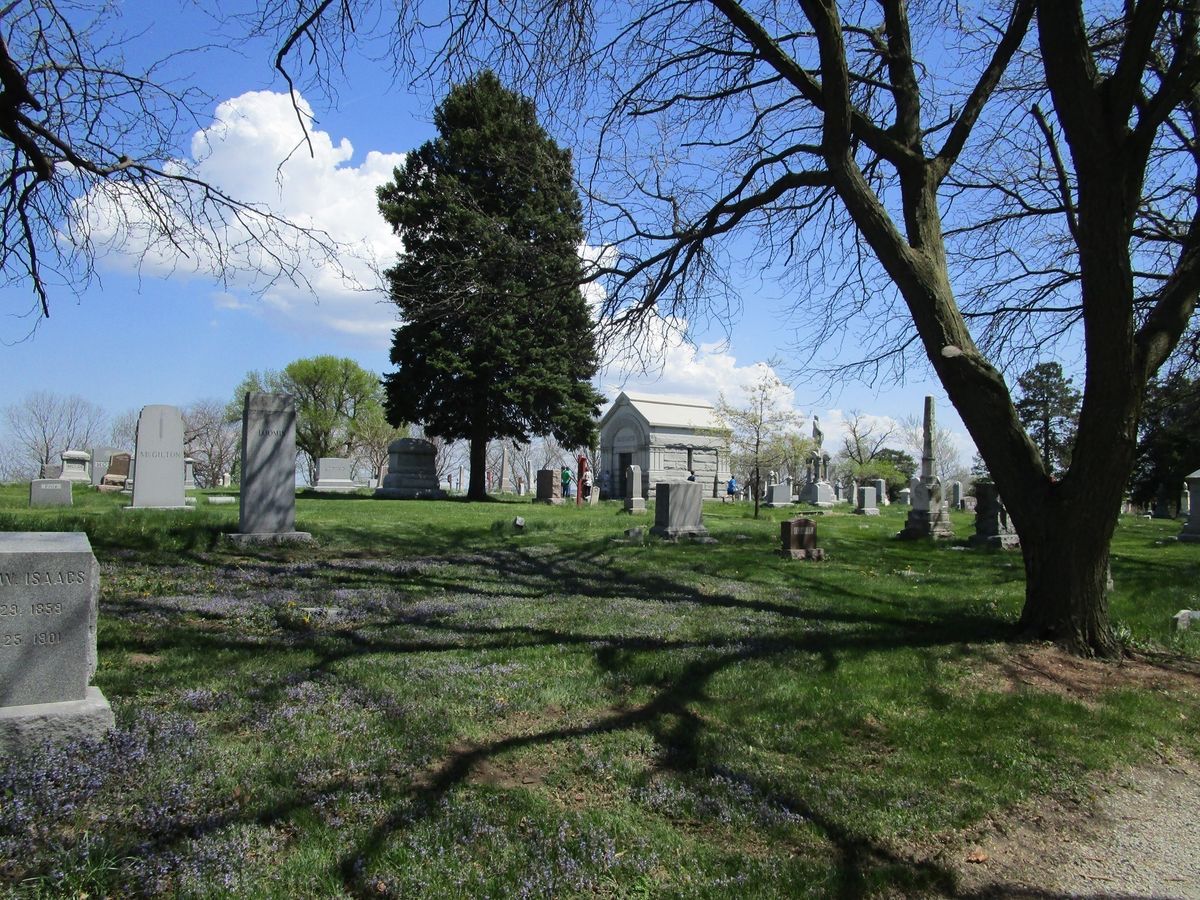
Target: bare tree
pixel 211 440
pixel 969 182
pixel 757 426
pixel 45 424
pixel 122 432
pixel 865 436
pixel 91 160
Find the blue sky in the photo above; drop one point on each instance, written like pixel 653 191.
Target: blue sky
pixel 165 334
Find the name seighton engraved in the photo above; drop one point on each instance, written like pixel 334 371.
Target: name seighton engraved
pixel 33 579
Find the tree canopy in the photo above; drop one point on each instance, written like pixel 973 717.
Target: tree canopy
pixel 497 341
pixel 1048 407
pixel 1169 442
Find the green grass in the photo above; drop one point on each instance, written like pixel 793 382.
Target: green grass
pixel 431 703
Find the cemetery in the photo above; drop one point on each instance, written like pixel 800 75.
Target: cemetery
pixel 543 705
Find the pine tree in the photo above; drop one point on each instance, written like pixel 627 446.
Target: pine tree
pixel 1049 410
pixel 496 342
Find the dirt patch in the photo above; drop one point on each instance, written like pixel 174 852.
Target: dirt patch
pixel 1044 667
pixel 1139 837
pixel 143 659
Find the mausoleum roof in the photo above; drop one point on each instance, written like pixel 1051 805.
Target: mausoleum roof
pixel 662 411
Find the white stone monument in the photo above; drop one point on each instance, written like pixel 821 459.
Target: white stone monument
pixel 158 459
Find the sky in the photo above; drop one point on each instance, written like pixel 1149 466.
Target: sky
pixel 163 330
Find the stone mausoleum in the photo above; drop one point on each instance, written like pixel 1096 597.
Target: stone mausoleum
pixel 668 438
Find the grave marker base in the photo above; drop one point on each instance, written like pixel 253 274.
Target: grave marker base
pixel 25 728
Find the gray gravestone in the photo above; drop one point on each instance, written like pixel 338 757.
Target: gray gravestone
pixel 549 487
pixel 992 526
pixel 50 492
pixel 267 513
pixel 866 502
pixel 881 497
pixel 956 495
pixel 1191 529
pixel 76 466
pixel 189 474
pixel 334 474
pixel 778 495
pixel 927 517
pixel 412 472
pixel 634 501
pixel 100 460
pixel 678 510
pixel 902 496
pixel 49 599
pixel 159 459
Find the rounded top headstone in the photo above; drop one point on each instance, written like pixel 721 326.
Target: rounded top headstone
pixel 410 445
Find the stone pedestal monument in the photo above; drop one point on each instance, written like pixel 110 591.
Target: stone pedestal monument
pixel 992 525
pixel 928 516
pixel 76 466
pixel 267 514
pixel 49 593
pixel 635 503
pixel 866 502
pixel 412 472
pixel 817 490
pixel 1191 530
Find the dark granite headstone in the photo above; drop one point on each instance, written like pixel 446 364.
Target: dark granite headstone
pixel 549 487
pixel 799 539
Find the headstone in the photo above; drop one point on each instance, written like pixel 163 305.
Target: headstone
pixel 927 517
pixel 881 497
pixel 1191 529
pixel 335 475
pixel 159 455
pixel 956 495
pixel 678 510
pixel 902 496
pixel 799 539
pixel 1184 618
pixel 49 600
pixel 101 456
pixel 76 466
pixel 1185 501
pixel 50 492
pixel 226 479
pixel 519 523
pixel 412 472
pixel 549 487
pixel 992 525
pixel 778 495
pixel 866 502
pixel 634 501
pixel 189 474
pixel 48 471
pixel 267 512
pixel 116 477
pixel 222 500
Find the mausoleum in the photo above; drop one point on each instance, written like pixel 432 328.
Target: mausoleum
pixel 667 438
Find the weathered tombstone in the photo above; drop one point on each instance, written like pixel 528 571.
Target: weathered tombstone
pixel 267 513
pixel 902 496
pixel 1183 618
pixel 50 492
pixel 1185 501
pixel 76 466
pixel 412 472
pixel 334 475
pixel 881 497
pixel 549 487
pixel 117 475
pixel 634 501
pixel 799 539
pixel 992 526
pixel 48 471
pixel 956 495
pixel 778 495
pixel 678 510
pixel 927 517
pixel 159 455
pixel 1191 529
pixel 49 599
pixel 101 456
pixel 866 502
pixel 189 474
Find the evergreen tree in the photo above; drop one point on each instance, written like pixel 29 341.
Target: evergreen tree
pixel 1049 409
pixel 1169 440
pixel 497 341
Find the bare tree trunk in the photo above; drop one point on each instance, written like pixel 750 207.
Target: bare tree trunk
pixel 477 487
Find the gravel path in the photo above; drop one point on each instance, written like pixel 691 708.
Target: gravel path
pixel 1142 839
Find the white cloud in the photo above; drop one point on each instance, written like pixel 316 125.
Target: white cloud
pixel 254 151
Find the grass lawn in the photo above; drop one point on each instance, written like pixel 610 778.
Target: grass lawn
pixel 432 704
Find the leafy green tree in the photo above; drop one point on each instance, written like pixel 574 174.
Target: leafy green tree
pixel 1048 407
pixel 1169 439
pixel 331 394
pixel 497 340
